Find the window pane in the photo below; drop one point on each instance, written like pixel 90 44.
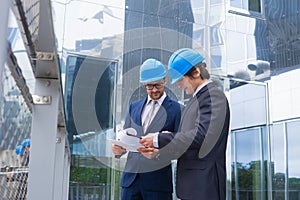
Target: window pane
pixel 236 3
pixel 278 161
pixel 89 120
pixel 293 159
pixel 251 177
pixel 250 5
pixel 254 5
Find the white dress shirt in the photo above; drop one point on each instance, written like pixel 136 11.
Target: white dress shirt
pixel 148 105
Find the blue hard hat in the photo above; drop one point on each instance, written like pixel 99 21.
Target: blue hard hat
pixel 20 150
pixel 26 143
pixel 152 70
pixel 181 62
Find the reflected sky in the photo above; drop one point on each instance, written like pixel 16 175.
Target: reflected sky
pixel 248 146
pixel 277 148
pixel 77 20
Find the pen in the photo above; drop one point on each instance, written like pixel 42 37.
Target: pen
pixel 129 134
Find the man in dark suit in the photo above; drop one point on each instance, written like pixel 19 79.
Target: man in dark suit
pixel 145 179
pixel 200 144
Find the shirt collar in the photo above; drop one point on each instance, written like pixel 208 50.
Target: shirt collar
pixel 200 87
pixel 159 101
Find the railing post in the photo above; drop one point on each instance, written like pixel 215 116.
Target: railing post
pixel 42 164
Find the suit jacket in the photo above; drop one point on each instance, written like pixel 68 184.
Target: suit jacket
pixel 200 146
pixel 155 174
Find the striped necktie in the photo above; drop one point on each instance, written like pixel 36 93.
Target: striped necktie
pixel 150 115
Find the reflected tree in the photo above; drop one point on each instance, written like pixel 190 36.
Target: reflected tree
pixel 249 183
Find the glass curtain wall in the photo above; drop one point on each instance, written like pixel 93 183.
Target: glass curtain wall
pixel 242 41
pixel 249 140
pixel 285 160
pixel 278 161
pixel 90 100
pixel 249 170
pixel 293 162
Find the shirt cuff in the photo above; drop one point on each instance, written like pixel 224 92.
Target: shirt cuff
pixel 155 140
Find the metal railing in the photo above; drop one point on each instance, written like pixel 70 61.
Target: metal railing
pixel 276 194
pixel 79 191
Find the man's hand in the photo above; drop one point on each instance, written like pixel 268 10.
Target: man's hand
pixel 118 150
pixel 149 152
pixel 147 140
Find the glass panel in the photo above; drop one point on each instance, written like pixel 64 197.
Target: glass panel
pixel 250 175
pixel 278 161
pixel 293 139
pixel 236 3
pixel 132 31
pixel 255 5
pixel 251 5
pixel 249 168
pixel 88 25
pixel 250 99
pixel 90 101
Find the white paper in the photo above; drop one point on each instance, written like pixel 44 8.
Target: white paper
pixel 130 143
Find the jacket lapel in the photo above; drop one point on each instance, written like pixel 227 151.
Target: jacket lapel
pixel 191 103
pixel 139 112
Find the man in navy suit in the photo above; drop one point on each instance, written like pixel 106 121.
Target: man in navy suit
pixel 200 144
pixel 145 179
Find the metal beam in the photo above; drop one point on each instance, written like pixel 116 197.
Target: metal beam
pixel 49 150
pixel 59 167
pixel 43 153
pixel 47 62
pixel 17 74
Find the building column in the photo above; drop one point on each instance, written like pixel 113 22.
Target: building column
pixel 61 168
pixel 46 165
pixel 67 164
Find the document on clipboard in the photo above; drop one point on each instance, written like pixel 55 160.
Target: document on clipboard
pixel 127 139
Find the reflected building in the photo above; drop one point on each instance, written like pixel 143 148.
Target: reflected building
pixel 277 58
pixel 89 102
pixel 277 35
pixel 253 52
pixel 243 62
pixel 153 29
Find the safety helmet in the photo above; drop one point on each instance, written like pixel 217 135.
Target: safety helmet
pixel 152 70
pixel 20 150
pixel 26 143
pixel 181 62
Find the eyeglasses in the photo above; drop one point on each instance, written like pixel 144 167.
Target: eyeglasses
pixel 156 85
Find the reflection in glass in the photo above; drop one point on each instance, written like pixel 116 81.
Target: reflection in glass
pixel 90 101
pixel 248 103
pixel 278 161
pixel 133 31
pixel 293 149
pixel 249 5
pixel 250 168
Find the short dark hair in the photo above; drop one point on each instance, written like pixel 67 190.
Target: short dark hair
pixel 203 71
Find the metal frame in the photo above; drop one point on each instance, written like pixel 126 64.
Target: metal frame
pixel 50 155
pixel 16 73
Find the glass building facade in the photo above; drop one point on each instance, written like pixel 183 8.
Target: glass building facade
pixel 252 49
